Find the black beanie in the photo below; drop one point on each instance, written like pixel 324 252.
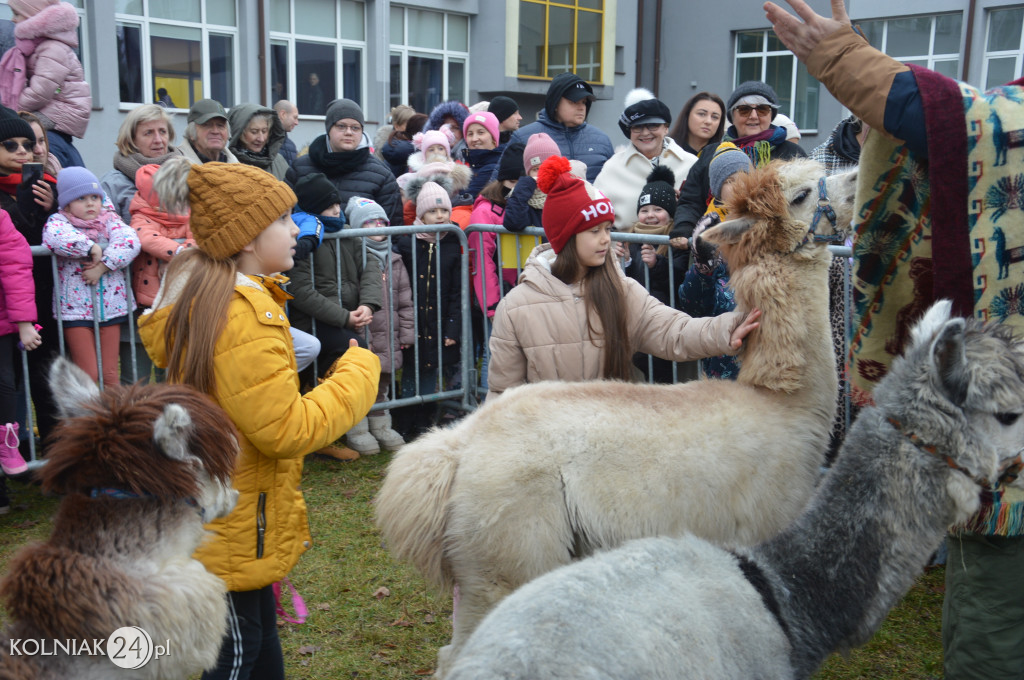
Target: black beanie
pixel 316 193
pixel 511 164
pixel 11 125
pixel 660 190
pixel 502 107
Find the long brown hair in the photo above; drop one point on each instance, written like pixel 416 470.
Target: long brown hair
pixel 197 317
pixel 681 130
pixel 605 298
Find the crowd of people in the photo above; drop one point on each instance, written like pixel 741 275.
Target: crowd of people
pixel 204 243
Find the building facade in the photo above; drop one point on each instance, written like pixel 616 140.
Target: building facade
pixel 381 53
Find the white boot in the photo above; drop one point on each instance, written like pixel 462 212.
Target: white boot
pixel 380 428
pixel 360 439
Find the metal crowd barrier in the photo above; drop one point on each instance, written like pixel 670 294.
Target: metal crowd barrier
pixel 511 248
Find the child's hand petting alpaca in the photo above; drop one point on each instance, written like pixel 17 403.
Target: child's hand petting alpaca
pixel 748 324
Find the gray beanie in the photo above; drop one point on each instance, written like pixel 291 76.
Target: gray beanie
pixel 342 108
pixel 752 87
pixel 727 161
pixel 359 210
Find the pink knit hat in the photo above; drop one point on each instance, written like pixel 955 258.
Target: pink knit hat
pixel 539 148
pixel 485 118
pixel 431 196
pixel 30 8
pixel 430 138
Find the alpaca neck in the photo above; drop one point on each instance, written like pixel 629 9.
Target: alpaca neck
pixel 859 546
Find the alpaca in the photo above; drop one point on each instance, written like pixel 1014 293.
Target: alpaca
pixel 550 472
pixel 142 469
pixel 946 423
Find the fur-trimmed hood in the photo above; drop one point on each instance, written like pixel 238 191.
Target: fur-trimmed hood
pixel 455 109
pixel 415 184
pixel 56 22
pixel 456 175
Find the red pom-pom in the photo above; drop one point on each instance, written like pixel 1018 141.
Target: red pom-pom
pixel 549 172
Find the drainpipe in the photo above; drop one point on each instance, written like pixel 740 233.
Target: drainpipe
pixel 657 45
pixel 967 41
pixel 639 42
pixel 264 44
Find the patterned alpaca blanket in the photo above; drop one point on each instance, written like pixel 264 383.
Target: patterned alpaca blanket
pixel 950 226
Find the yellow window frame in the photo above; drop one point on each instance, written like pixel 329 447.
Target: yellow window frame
pixel 575 6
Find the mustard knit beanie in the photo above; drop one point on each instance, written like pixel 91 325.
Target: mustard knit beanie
pixel 231 204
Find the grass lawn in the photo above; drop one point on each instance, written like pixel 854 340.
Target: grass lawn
pixel 370 617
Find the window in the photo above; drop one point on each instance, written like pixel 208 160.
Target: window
pixel 7 32
pixel 761 56
pixel 1004 47
pixel 929 41
pixel 429 57
pixel 186 47
pixel 560 37
pixel 316 52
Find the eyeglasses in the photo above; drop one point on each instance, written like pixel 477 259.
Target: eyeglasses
pixel 762 109
pixel 348 128
pixel 11 146
pixel 646 127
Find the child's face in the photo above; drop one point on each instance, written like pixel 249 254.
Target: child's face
pixel 728 188
pixel 592 245
pixel 86 207
pixel 435 152
pixel 332 211
pixel 373 223
pixel 653 215
pixel 436 216
pixel 275 246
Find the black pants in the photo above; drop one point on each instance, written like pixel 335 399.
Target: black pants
pixel 251 649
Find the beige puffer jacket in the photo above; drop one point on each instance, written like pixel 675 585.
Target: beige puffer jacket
pixel 540 330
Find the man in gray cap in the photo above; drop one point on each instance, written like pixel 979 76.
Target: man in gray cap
pixel 207 133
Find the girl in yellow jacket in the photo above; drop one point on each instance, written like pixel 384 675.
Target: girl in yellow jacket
pixel 218 325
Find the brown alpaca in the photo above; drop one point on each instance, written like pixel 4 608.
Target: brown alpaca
pixel 142 469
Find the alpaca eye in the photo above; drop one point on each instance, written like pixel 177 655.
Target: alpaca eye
pixel 1007 418
pixel 802 196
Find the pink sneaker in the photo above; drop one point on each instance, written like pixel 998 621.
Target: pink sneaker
pixel 11 461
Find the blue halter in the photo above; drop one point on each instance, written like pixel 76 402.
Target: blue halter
pixel 825 210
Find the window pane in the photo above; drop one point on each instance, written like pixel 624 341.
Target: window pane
pixel 352 20
pixel 909 36
pixel 425 86
pixel 316 17
pixel 805 109
pixel 559 40
pixel 280 19
pixel 129 63
pixel 779 74
pixel 1004 30
pixel 426 29
pixel 396 80
pixel 1000 71
pixel 774 44
pixel 588 46
pixel 352 74
pixel 456 79
pixel 531 39
pixel 873 31
pixel 6 29
pixel 278 71
pixel 458 33
pixel 220 12
pixel 182 10
pixel 947 34
pixel 749 41
pixel 222 59
pixel 177 66
pixel 592 4
pixel 949 68
pixel 397 25
pixel 748 68
pixel 128 7
pixel 916 62
pixel 314 70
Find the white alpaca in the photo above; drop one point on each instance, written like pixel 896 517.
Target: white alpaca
pixel 142 469
pixel 552 471
pixel 947 422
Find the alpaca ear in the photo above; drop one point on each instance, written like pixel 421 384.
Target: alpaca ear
pixel 728 233
pixel 171 431
pixel 72 388
pixel 949 361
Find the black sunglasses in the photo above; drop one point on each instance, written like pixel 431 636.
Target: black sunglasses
pixel 762 109
pixel 11 146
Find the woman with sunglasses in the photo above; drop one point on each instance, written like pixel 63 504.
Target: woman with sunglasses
pixel 645 122
pixel 750 109
pixel 30 205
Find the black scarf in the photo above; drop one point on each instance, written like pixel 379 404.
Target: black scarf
pixel 334 163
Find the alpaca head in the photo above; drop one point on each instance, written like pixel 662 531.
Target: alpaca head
pixel 774 208
pixel 960 385
pixel 168 441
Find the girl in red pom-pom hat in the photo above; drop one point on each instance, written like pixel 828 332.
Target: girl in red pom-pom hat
pixel 575 315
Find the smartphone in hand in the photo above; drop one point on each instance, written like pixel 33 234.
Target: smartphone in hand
pixel 31 173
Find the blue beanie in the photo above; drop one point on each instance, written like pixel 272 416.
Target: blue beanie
pixel 74 182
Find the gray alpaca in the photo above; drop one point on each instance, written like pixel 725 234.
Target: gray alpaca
pixel 946 423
